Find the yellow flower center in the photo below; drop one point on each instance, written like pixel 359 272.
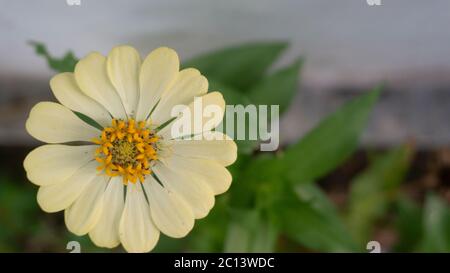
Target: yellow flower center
pixel 127 150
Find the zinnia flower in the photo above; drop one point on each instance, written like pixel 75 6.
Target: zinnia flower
pixel 128 179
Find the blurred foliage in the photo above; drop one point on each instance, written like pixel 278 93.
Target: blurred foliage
pixel 308 217
pixel 239 67
pixel 326 147
pixel 374 189
pixel 274 203
pixel 435 225
pixel 65 64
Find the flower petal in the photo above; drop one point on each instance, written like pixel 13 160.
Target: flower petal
pixel 61 195
pixel 106 232
pixel 53 123
pixel 193 190
pixel 68 93
pixel 136 229
pixel 170 213
pixel 210 171
pixel 92 78
pixel 204 114
pixel 123 66
pixel 220 148
pixel 84 213
pixel 189 84
pixel 158 72
pixel 50 164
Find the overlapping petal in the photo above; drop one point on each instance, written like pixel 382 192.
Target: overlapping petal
pixel 193 190
pixel 189 84
pixel 158 72
pixel 69 94
pixel 106 231
pixel 123 67
pixel 59 196
pixel 170 213
pixel 85 212
pixel 92 78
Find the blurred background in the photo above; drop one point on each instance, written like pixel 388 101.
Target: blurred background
pixel 348 47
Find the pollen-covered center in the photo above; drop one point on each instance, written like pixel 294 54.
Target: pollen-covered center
pixel 124 153
pixel 127 149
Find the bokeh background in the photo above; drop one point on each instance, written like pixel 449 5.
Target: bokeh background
pixel 348 47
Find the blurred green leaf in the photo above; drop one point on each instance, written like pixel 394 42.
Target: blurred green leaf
pixel 209 233
pixel 65 64
pixel 307 217
pixel 373 190
pixel 17 212
pixel 239 66
pixel 330 143
pixel 231 95
pixel 250 231
pixel 436 225
pixel 408 224
pixel 257 184
pixel 278 88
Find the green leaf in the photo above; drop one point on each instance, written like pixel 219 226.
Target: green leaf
pixel 18 213
pixel 257 184
pixel 250 231
pixel 65 64
pixel 408 224
pixel 373 190
pixel 278 88
pixel 231 95
pixel 307 217
pixel 239 66
pixel 436 225
pixel 330 143
pixel 210 232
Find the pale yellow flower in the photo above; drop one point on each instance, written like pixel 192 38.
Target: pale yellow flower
pixel 131 180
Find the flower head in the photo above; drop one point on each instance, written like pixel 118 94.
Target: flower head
pixel 128 179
